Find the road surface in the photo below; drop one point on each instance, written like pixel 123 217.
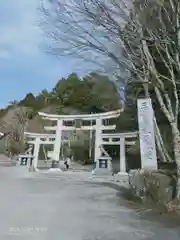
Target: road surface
pixel 72 209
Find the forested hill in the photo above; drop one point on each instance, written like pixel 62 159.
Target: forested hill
pixel 92 93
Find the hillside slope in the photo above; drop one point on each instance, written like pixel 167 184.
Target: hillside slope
pixel 36 125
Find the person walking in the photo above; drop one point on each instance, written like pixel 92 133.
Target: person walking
pixel 66 163
pixel 68 157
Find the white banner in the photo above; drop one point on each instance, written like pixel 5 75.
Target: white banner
pixel 146 134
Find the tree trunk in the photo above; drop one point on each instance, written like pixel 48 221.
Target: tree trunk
pixel 176 141
pixel 160 144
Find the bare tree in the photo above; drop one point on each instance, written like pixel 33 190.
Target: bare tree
pixel 159 52
pixel 96 28
pixel 143 41
pixel 14 131
pixel 80 29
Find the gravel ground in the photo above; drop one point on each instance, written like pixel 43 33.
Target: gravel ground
pixel 72 206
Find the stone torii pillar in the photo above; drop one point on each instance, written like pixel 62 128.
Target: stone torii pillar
pixel 97 152
pixel 36 153
pixel 57 145
pixel 122 155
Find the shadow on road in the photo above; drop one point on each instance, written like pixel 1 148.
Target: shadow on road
pixel 145 212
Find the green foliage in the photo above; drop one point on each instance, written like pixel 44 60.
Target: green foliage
pixel 28 101
pixel 86 94
pixel 92 93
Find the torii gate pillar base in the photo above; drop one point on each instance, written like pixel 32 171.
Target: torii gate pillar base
pixel 103 167
pixel 101 172
pixel 55 164
pixel 122 174
pixel 33 169
pixel 55 170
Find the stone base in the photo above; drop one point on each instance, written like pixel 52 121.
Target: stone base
pixel 55 170
pixel 101 172
pixel 13 162
pixel 32 169
pixel 122 174
pixel 55 164
pixel 61 165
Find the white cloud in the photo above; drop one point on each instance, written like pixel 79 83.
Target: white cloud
pixel 19 31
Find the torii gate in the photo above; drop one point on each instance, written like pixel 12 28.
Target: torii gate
pixel 98 127
pixel 56 139
pixel 148 152
pixel 38 139
pixel 120 139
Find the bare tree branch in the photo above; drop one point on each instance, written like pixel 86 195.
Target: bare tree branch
pixel 142 39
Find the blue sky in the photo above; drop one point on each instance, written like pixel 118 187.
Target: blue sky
pixel 24 66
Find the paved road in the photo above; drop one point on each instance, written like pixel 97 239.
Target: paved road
pixel 70 209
